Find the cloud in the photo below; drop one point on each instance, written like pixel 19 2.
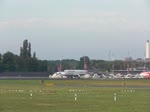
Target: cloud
pixel 99 21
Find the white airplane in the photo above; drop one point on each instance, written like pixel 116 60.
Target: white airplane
pixel 145 74
pixel 58 75
pixel 69 74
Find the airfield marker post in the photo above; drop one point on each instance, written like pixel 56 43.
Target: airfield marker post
pixel 115 97
pixel 75 97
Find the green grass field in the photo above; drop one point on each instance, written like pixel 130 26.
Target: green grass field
pixel 59 96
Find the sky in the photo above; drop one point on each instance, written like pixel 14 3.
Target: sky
pixel 70 29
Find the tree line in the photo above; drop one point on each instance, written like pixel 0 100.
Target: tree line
pixel 25 62
pixel 28 62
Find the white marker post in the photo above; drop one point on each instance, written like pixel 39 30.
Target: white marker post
pixel 115 97
pixel 31 94
pixel 75 97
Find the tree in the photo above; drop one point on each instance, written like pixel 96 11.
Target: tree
pixel 69 64
pixel 34 55
pixel 29 50
pixel 84 63
pixel 25 51
pixel 52 67
pixel 9 61
pixel 19 63
pixel 30 65
pixel 0 57
pixel 1 65
pixel 26 61
pixel 43 66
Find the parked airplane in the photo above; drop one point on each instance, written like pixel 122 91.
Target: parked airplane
pixel 145 75
pixel 69 74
